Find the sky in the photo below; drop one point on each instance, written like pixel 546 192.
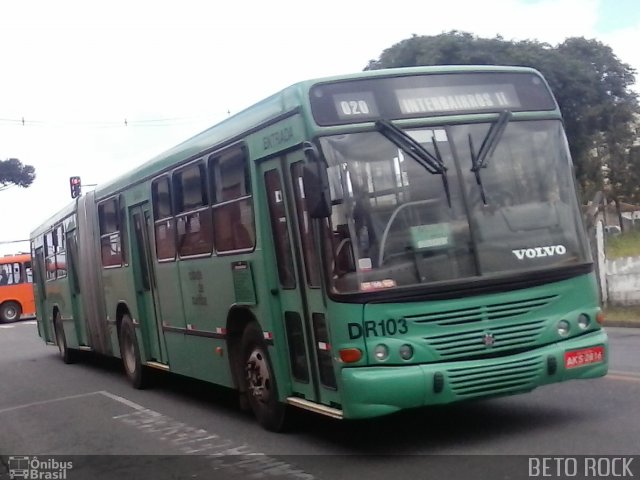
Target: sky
pixel 104 86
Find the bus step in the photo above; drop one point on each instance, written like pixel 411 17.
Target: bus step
pixel 158 365
pixel 315 407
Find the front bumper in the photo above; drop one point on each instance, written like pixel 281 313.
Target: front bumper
pixel 381 390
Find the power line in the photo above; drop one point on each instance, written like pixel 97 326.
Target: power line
pixel 149 122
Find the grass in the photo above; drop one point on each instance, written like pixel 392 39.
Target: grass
pixel 626 244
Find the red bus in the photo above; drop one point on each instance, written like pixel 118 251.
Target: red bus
pixel 16 288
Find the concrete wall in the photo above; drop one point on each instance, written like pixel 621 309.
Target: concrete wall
pixel 623 281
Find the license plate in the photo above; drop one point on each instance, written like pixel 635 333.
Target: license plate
pixel 586 356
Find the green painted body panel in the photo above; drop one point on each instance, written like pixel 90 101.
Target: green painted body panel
pixel 207 296
pixel 375 391
pixel 454 330
pixel 444 334
pixel 179 354
pixel 58 296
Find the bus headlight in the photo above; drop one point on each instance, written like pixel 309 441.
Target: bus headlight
pixel 381 352
pixel 406 352
pixel 584 321
pixel 563 328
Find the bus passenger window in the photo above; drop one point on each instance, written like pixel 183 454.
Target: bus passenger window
pixel 194 228
pixel 164 223
pixel 28 273
pixel 50 259
pixel 110 239
pixel 233 221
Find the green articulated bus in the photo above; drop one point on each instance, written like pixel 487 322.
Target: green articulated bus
pixel 354 245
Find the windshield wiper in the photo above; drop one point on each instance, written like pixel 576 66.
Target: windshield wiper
pixel 487 148
pixel 431 163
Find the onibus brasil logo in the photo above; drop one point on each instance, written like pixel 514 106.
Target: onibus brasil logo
pixel 33 468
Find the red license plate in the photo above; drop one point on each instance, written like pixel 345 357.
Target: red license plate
pixel 586 356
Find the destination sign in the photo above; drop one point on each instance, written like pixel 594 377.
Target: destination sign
pixel 429 94
pixel 458 98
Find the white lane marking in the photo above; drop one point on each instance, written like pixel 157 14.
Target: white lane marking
pixel 224 453
pixel 6 326
pixel 123 400
pixel 45 402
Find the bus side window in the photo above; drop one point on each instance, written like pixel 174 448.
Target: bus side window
pixel 28 272
pixel 233 221
pixel 17 274
pixel 110 239
pixel 50 255
pixel 193 217
pixel 164 222
pixel 61 256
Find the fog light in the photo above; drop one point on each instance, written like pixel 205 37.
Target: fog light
pixel 381 352
pixel 583 321
pixel 563 328
pixel 406 351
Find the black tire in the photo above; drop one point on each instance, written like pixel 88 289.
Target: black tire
pixel 66 354
pixel 259 381
pixel 10 312
pixel 137 373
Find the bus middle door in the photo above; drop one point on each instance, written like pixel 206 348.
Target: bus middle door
pixel 145 284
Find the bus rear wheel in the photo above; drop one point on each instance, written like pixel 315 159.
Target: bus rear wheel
pixel 130 352
pixel 66 354
pixel 259 381
pixel 10 312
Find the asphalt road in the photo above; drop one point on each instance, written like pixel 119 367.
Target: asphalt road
pixel 88 414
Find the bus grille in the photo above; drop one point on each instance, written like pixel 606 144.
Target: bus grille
pixel 472 342
pixel 483 312
pixel 506 377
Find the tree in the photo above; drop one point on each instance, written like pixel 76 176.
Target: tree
pixel 591 85
pixel 13 172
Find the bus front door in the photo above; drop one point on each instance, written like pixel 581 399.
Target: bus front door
pixel 298 292
pixel 149 314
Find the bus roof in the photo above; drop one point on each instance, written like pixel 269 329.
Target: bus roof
pixel 284 101
pixel 17 257
pixel 66 211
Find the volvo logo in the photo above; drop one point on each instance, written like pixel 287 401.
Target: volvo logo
pixel 488 339
pixel 538 252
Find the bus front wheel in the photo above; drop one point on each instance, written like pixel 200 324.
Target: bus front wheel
pixel 130 352
pixel 10 312
pixel 259 381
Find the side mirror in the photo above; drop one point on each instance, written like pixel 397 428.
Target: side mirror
pixel 316 184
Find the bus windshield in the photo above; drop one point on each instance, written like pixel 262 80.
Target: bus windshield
pixel 507 204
